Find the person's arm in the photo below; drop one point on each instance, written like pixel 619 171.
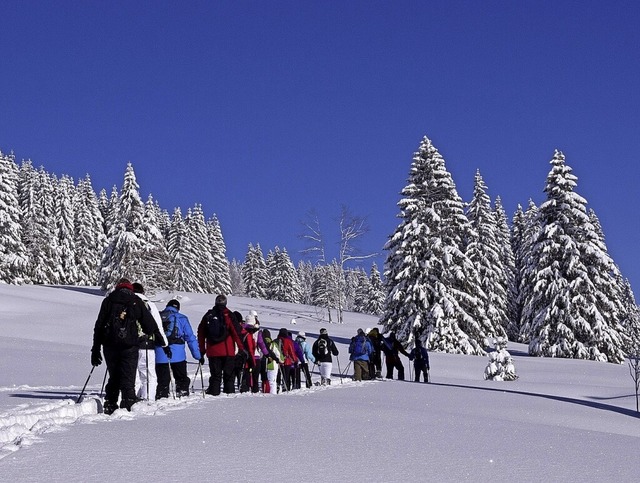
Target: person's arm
pixel 190 338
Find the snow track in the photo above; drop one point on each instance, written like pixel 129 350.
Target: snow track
pixel 25 424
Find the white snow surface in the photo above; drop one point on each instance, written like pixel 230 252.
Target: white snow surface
pixel 562 420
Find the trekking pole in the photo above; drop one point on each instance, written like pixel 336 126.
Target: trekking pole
pixel 201 379
pixel 104 380
pixel 195 376
pixel 340 371
pixel 85 385
pixel 172 389
pixel 346 369
pixel 146 363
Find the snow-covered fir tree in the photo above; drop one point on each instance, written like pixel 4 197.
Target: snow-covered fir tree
pixel 284 285
pixel 254 273
pixel 503 240
pixel 221 277
pixel 179 254
pixel 430 282
pixel 90 240
pixel 485 253
pixel 13 253
pixel 201 256
pixel 359 280
pixel 375 304
pixel 572 307
pixel 155 269
pixel 124 255
pixel 64 192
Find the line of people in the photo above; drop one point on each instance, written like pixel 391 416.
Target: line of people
pixel 144 348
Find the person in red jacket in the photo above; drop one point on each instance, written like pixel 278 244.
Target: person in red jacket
pixel 217 338
pixel 248 363
pixel 288 352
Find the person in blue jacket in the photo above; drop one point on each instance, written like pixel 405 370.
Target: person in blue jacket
pixel 179 332
pixel 360 350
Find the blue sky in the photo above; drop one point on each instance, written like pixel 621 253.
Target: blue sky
pixel 263 111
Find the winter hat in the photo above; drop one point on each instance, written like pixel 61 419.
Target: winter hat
pixel 283 332
pixel 173 303
pixel 137 287
pixel 250 319
pixel 360 332
pixel 266 334
pixel 323 331
pixel 124 283
pixel 302 335
pixel 254 313
pixel 221 300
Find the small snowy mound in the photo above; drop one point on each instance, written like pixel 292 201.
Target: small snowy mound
pixel 500 367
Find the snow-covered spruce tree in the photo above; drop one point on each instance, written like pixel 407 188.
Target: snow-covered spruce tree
pixel 526 229
pixel 361 290
pixel 375 302
pixel 179 254
pixel 222 279
pixel 64 193
pixel 90 240
pixel 485 253
pixel 284 285
pixel 320 290
pixel 503 239
pixel 155 270
pixel 254 273
pixel 124 255
pixel 13 253
pixel 572 311
pixel 500 367
pixel 432 287
pixel 201 257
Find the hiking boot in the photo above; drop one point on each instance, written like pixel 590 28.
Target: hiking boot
pixel 109 407
pixel 328 381
pixel 182 393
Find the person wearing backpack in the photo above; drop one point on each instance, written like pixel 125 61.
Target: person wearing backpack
pixel 392 349
pixel 322 350
pixel 273 362
pixel 147 380
pixel 290 359
pixel 116 333
pixel 375 359
pixel 179 332
pixel 248 364
pixel 360 350
pixel 307 356
pixel 217 339
pixel 420 358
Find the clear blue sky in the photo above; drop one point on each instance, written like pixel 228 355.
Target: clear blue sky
pixel 262 111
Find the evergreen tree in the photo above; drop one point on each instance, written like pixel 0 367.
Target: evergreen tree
pixel 89 236
pixel 362 290
pixel 235 273
pixel 284 286
pixel 64 193
pixel 507 258
pixel 179 254
pixel 124 255
pixel 375 303
pixel 254 273
pixel 155 268
pixel 201 254
pixel 305 276
pixel 572 308
pixel 429 280
pixel 13 253
pixel 222 278
pixel 485 253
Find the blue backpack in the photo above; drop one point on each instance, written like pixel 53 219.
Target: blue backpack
pixel 359 346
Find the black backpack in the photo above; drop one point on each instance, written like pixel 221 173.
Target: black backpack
pixel 323 347
pixel 170 326
pixel 121 328
pixel 216 326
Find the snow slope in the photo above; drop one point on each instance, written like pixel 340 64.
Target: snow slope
pixel 562 420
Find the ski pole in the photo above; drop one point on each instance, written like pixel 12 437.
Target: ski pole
pixel 339 370
pixel 195 376
pixel 85 385
pixel 201 379
pixel 146 363
pixel 346 369
pixel 104 380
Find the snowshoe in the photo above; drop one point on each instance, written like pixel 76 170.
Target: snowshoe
pixel 109 407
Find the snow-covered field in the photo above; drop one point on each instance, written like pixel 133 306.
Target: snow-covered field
pixel 562 420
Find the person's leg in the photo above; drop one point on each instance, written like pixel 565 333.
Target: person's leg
pixel 128 369
pixel 183 382
pixel 228 374
pixel 164 380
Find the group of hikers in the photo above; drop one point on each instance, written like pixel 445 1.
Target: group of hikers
pixel 144 348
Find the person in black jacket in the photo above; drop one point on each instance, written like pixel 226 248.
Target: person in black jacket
pixel 322 350
pixel 392 349
pixel 116 333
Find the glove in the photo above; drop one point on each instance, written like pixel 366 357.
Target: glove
pixel 201 361
pixel 96 357
pixel 167 351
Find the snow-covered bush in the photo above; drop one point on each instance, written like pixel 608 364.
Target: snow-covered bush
pixel 500 367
